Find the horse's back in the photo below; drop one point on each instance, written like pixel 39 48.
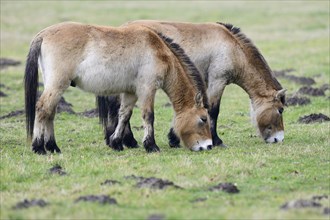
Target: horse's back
pixel 99 59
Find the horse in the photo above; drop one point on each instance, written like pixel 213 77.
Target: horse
pixel 223 55
pixel 131 61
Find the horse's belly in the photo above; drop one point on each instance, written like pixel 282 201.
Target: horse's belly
pixel 103 79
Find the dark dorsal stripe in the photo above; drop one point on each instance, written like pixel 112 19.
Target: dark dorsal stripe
pixel 192 72
pixel 245 41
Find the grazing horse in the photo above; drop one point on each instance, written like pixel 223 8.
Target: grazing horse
pixel 223 55
pixel 132 61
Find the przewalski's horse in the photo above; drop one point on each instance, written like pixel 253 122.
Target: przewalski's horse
pixel 223 55
pixel 134 61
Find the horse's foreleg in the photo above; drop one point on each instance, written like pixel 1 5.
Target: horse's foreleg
pixel 214 110
pixel 148 122
pixel 173 139
pixel 126 108
pixel 43 132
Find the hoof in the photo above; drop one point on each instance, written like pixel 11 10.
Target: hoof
pixel 116 144
pixel 152 149
pixel 39 150
pixel 38 146
pixel 218 142
pixel 130 142
pixel 173 139
pixel 52 147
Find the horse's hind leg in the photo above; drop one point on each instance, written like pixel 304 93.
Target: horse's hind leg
pixel 126 108
pixel 128 137
pixel 43 132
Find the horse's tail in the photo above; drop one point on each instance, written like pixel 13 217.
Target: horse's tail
pixel 31 84
pixel 103 110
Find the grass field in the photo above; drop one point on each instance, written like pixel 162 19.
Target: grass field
pixel 290 34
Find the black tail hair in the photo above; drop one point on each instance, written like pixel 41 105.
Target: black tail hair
pixel 103 109
pixel 31 84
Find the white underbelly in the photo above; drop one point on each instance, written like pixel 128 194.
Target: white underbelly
pixel 104 78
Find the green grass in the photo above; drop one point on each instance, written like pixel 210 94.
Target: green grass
pixel 290 34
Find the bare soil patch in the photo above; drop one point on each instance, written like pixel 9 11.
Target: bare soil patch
pixel 300 80
pixel 6 62
pixel 30 203
pixel 152 182
pixel 13 114
pixel 102 199
pixel 167 105
pixel 307 90
pixel 226 187
pixel 90 113
pixel 300 203
pixel 2 94
pixel 198 200
pixel 110 182
pixel 156 217
pixel 64 106
pixel 57 169
pixel 313 118
pixel 297 100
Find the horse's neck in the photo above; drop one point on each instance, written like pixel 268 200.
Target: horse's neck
pixel 255 78
pixel 180 90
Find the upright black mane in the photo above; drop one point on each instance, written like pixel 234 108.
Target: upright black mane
pixel 193 72
pixel 244 40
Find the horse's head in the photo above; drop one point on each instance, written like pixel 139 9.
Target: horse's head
pixel 193 126
pixel 269 118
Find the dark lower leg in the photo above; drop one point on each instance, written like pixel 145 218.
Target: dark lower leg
pixel 129 140
pixel 38 145
pixel 125 112
pixel 149 140
pixel 214 112
pixel 173 139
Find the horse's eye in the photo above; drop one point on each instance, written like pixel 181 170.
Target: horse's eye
pixel 280 110
pixel 203 118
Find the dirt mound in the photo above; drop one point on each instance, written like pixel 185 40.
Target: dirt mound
pixel 110 182
pixel 300 80
pixel 5 62
pixel 320 197
pixel 102 199
pixel 300 203
pixel 297 100
pixel 30 203
pixel 156 217
pixel 13 114
pixel 198 200
pixel 64 106
pixel 152 182
pixel 325 87
pixel 167 105
pixel 90 113
pixel 307 90
pixel 226 187
pixel 312 118
pixel 57 169
pixel 2 94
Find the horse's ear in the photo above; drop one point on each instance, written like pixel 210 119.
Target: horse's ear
pixel 199 100
pixel 280 95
